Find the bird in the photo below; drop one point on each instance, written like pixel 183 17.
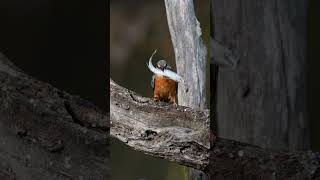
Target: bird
pixel 164 89
pixel 164 82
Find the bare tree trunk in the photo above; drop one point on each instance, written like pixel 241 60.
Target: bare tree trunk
pixel 191 57
pixel 262 100
pixel 190 53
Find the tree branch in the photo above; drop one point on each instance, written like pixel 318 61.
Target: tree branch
pixel 235 160
pixel 178 134
pixel 46 133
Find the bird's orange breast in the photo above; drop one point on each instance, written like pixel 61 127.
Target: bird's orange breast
pixel 165 89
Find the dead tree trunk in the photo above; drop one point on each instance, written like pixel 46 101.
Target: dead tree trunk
pixel 190 55
pixel 262 99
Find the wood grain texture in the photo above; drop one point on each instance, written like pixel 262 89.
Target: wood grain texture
pixel 179 134
pixel 191 57
pixel 46 133
pixel 263 100
pixel 176 133
pixel 190 53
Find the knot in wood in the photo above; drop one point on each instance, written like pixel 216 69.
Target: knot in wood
pixel 149 134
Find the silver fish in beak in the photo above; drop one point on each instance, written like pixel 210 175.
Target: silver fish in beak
pixel 165 72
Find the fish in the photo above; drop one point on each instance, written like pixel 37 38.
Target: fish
pixel 166 72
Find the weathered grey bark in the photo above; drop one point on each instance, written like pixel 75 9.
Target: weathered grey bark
pixel 175 133
pixel 190 55
pixel 262 100
pixel 46 133
pixel 178 134
pixel 190 52
pixel 165 131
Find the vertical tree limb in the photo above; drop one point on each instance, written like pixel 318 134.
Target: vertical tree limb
pixel 190 52
pixel 191 57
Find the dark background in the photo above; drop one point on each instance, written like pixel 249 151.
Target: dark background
pixel 313 72
pixel 60 42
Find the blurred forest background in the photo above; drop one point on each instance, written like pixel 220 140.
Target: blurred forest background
pixel 137 28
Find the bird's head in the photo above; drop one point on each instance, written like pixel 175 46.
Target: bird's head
pixel 162 64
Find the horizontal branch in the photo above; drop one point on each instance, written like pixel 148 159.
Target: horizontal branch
pixel 175 133
pixel 234 160
pixel 46 133
pixel 181 135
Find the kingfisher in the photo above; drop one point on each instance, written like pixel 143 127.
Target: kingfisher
pixel 164 82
